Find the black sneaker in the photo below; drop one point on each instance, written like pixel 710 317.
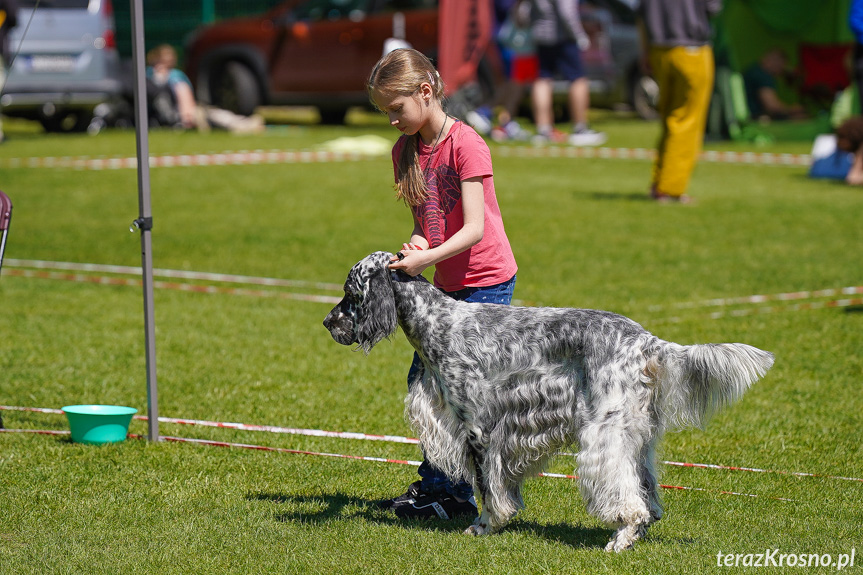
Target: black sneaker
pixel 414 489
pixel 443 506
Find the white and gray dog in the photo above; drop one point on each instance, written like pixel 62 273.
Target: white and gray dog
pixel 504 388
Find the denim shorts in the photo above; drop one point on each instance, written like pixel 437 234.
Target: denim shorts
pixel 433 479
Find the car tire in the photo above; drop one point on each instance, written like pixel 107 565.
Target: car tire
pixel 332 116
pixel 73 121
pixel 236 89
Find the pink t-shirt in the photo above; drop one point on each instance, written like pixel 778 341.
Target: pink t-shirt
pixel 462 154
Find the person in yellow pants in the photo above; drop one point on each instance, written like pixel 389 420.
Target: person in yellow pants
pixel 676 49
pixel 685 78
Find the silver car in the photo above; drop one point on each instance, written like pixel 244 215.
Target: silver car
pixel 66 71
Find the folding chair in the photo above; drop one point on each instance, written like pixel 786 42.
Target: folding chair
pixel 730 112
pixel 5 218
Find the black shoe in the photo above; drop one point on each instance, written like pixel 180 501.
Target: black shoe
pixel 443 506
pixel 414 489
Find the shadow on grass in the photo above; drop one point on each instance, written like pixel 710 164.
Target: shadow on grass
pixel 321 509
pixel 621 197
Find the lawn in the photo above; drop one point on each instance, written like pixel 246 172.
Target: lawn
pixel 584 236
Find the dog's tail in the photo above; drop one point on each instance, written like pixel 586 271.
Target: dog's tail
pixel 695 381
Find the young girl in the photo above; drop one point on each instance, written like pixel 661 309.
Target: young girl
pixel 443 173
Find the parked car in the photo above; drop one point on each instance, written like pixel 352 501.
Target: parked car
pixel 67 72
pixel 303 52
pixel 613 60
pixel 320 52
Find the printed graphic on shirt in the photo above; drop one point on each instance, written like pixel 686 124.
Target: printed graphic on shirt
pixel 444 192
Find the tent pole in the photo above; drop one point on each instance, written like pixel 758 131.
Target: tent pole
pixel 145 218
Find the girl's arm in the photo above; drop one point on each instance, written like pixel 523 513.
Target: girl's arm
pixel 473 206
pixel 417 237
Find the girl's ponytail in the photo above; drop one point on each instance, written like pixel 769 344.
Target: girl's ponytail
pixel 411 186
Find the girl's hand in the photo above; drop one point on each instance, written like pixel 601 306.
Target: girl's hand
pixel 410 259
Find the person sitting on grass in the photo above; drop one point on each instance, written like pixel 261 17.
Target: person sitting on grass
pixel 169 91
pixel 761 81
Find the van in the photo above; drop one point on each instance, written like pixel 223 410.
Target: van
pixel 66 72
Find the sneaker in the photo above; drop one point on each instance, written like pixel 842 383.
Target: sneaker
pixel 498 134
pixel 414 489
pixel 587 137
pixel 514 131
pixel 544 138
pixel 443 506
pixel 479 121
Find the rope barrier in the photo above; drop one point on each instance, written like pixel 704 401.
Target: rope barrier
pixel 211 443
pixel 41 266
pixel 258 157
pixel 404 440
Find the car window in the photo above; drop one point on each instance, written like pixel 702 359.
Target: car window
pixel 397 5
pixel 330 9
pixel 49 4
pixel 621 10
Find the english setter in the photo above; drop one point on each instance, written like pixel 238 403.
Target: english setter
pixel 504 388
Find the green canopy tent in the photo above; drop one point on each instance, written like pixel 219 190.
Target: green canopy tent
pixel 817 40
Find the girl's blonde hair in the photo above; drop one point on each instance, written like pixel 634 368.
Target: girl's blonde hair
pixel 401 73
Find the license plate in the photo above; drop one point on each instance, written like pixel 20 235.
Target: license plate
pixel 50 64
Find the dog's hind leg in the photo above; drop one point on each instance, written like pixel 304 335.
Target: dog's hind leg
pixel 650 480
pixel 610 473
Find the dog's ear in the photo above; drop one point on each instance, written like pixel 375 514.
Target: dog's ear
pixel 377 318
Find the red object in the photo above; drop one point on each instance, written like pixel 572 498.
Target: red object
pixel 525 68
pixel 824 66
pixel 109 36
pixel 5 218
pixel 463 36
pixel 5 212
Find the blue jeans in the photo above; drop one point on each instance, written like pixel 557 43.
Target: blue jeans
pixel 433 479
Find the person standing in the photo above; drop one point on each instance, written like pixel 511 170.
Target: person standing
pixel 559 38
pixel 443 173
pixel 8 20
pixel 676 49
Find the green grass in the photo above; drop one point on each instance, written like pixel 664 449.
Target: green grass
pixel 583 235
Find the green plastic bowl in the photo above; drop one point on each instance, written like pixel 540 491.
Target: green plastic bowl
pixel 97 424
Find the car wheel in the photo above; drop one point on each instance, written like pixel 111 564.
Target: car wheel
pixel 332 116
pixel 644 96
pixel 76 121
pixel 235 88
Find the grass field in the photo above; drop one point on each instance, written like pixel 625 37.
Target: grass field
pixel 584 236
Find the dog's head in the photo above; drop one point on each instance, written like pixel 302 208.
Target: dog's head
pixel 367 313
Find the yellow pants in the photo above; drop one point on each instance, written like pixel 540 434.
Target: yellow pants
pixel 685 78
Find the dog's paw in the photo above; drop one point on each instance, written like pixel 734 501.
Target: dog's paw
pixel 618 546
pixel 625 538
pixel 477 529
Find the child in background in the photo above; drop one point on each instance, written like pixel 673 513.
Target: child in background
pixel 443 173
pixel 170 95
